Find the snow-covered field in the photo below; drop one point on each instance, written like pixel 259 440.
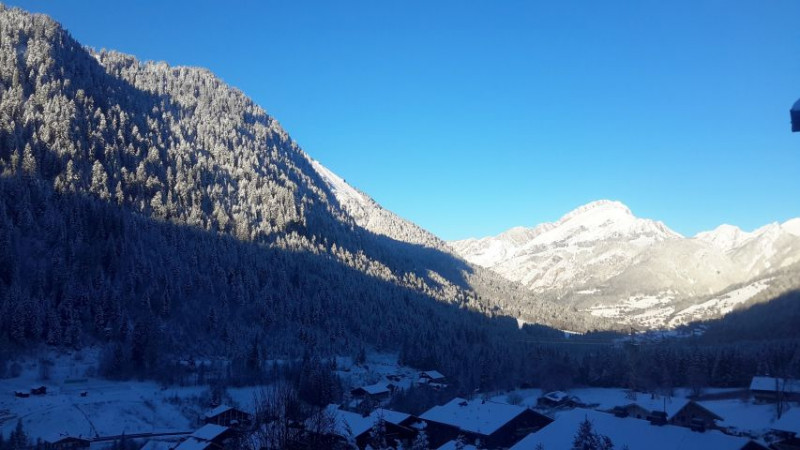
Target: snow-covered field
pixel 111 408
pixel 81 405
pixel 720 305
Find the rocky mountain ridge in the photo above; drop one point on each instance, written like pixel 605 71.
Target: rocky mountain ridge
pixel 602 259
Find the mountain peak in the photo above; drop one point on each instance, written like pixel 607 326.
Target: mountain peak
pixel 610 206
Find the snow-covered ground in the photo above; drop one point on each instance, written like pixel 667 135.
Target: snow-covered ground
pixel 130 407
pixel 720 305
pixel 106 408
pixel 740 414
pixel 111 408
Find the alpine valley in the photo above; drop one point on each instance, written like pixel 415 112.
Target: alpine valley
pixel 176 269
pixel 603 260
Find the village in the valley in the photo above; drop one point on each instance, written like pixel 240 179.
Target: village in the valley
pixel 86 412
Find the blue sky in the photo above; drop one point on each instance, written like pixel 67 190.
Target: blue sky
pixel 469 118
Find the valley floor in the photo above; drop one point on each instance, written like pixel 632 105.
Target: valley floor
pixel 79 404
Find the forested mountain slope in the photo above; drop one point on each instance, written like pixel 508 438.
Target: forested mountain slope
pixel 160 210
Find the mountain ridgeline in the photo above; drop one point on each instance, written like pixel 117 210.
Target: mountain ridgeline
pixel 158 207
pixel 602 259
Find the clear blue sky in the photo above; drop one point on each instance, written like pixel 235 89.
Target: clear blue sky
pixel 472 117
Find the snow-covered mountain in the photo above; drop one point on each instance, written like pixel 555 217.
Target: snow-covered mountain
pixel 603 259
pixel 373 217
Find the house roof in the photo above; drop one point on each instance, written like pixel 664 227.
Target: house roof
pixel 556 396
pixel 52 438
pixel 193 444
pixel 789 421
pixel 432 374
pixel 772 384
pixel 375 389
pixel 475 416
pixel 704 408
pixel 635 434
pixel 796 106
pixel 218 410
pixel 158 444
pixel 346 422
pixel 669 405
pixel 209 432
pixel 390 416
pixel 451 445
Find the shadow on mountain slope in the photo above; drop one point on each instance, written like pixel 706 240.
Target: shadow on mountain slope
pixel 773 320
pixel 75 270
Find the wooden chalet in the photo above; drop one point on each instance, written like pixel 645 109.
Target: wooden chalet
pixel 633 434
pixel 349 426
pixel 633 410
pixel 209 436
pixel 795 115
pixel 39 390
pixel 431 377
pixel 695 416
pixel 227 416
pixel 495 424
pixel 377 392
pixel 553 399
pixel 770 389
pixel 66 442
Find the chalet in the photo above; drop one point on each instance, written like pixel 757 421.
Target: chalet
pixel 377 392
pixel 633 434
pixel 695 416
pixel 227 416
pixel 633 410
pixel 494 424
pixel 769 389
pixel 664 410
pixel 209 436
pixel 39 390
pixel 795 114
pixel 349 426
pixel 431 377
pixel 63 441
pixel 657 418
pixel 553 399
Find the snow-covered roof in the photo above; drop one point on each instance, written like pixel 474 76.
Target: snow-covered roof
pixel 193 444
pixel 432 374
pixel 346 422
pixel 209 432
pixel 475 416
pixel 157 444
pixel 53 437
pixel 556 396
pixel 217 411
pixel 775 384
pixel 789 421
pixel 390 416
pixel 375 389
pixel 635 434
pixel 451 445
